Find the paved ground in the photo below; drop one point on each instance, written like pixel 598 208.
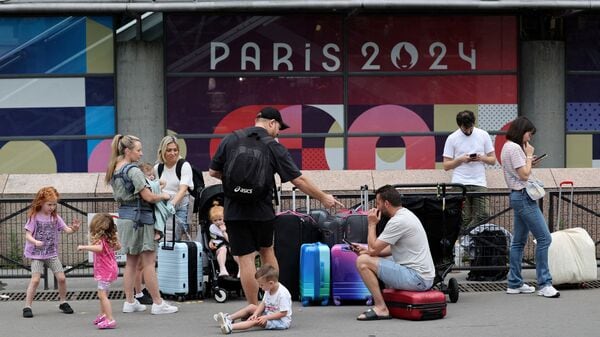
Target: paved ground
pixel 493 313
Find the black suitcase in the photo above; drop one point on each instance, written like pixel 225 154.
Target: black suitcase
pixel 292 229
pixel 351 224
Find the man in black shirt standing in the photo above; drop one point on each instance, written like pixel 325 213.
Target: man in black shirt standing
pixel 250 225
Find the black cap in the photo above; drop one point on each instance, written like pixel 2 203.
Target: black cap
pixel 272 113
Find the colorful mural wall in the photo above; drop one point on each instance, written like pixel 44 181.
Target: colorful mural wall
pixel 582 96
pixel 365 92
pixel 56 93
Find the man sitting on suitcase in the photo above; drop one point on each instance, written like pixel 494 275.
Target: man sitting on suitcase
pixel 404 239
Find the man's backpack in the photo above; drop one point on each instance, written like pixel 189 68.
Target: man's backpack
pixel 248 174
pixel 197 179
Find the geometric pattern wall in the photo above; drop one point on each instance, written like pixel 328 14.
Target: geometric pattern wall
pixel 582 122
pixel 56 92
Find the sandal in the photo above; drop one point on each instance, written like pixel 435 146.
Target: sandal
pixel 371 315
pixel 27 313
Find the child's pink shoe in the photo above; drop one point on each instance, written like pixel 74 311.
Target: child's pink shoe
pixel 99 318
pixel 106 324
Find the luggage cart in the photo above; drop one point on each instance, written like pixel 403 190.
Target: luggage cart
pixel 440 213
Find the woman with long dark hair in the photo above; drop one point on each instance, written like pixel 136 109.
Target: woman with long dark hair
pixel 517 161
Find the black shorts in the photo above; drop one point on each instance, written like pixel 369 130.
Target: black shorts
pixel 246 237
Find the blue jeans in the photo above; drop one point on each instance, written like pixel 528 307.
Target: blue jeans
pixel 528 218
pixel 181 219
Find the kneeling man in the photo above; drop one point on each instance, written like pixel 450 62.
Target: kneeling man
pixel 411 266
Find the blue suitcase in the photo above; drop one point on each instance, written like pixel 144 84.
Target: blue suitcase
pixel 180 269
pixel 314 273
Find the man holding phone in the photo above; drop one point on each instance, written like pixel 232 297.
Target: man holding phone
pixel 466 151
pixel 405 240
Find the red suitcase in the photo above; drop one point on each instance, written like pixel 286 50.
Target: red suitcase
pixel 415 305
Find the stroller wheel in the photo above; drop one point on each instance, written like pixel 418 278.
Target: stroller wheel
pixel 453 290
pixel 220 295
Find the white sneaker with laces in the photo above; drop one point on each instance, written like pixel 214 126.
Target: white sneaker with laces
pixel 216 316
pixel 133 307
pixel 524 289
pixel 549 291
pixel 224 322
pixel 163 308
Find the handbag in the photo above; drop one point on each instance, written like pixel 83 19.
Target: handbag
pixel 535 189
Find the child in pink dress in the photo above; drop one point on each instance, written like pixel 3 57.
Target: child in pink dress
pixel 104 242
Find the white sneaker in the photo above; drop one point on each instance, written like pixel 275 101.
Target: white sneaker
pixel 216 316
pixel 524 289
pixel 133 307
pixel 549 291
pixel 163 308
pixel 224 322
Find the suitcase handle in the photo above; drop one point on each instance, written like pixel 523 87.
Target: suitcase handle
pixel 560 202
pixel 172 246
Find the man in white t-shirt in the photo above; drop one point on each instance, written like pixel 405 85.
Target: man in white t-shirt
pixel 404 239
pixel 466 151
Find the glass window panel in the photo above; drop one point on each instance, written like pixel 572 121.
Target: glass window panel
pixel 309 153
pixel 220 105
pixel 456 89
pixel 432 43
pixel 583 42
pixel 51 156
pixel 43 45
pixel 240 43
pixel 52 106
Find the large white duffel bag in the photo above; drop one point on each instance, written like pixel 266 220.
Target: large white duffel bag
pixel 572 256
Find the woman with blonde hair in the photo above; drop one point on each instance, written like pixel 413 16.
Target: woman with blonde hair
pixel 177 173
pixel 136 222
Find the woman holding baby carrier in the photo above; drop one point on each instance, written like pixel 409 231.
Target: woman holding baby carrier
pixel 135 223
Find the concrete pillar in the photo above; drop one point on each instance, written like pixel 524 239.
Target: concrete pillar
pixel 542 97
pixel 140 93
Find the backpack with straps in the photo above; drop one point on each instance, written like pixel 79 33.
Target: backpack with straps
pixel 247 174
pixel 122 174
pixel 197 179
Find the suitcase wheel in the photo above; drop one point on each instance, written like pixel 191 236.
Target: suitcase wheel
pixel 305 301
pixel 336 300
pixel 325 301
pixel 220 295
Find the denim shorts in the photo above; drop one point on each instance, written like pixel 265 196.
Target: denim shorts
pixel 397 276
pixel 277 324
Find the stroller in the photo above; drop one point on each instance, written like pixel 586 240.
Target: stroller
pixel 440 214
pixel 218 287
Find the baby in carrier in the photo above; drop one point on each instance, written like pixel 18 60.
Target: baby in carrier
pixel 163 209
pixel 219 240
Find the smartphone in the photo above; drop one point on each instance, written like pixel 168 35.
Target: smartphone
pixel 537 159
pixel 350 245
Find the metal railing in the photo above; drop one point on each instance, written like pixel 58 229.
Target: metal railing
pixel 13 216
